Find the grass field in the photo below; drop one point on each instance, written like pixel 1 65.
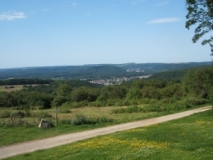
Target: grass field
pixel 8 89
pixel 10 135
pixel 190 138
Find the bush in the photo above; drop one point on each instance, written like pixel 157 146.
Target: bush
pixel 79 120
pixel 79 104
pixel 131 109
pixel 64 110
pixel 82 120
pixel 197 101
pixel 103 120
pixel 18 114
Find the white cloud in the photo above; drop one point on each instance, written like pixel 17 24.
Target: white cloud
pixel 162 4
pixel 88 14
pixel 46 10
pixel 74 4
pixel 11 15
pixel 163 20
pixel 137 1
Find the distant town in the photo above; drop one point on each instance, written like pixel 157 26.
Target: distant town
pixel 119 80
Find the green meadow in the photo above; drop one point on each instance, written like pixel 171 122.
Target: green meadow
pixel 25 129
pixel 189 138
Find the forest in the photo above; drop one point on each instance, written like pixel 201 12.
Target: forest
pixel 98 71
pixel 194 88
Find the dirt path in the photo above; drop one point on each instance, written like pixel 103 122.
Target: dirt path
pixel 31 146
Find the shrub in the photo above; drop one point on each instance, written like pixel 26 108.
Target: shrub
pixel 197 101
pixel 103 120
pixel 131 109
pixel 81 120
pixel 18 114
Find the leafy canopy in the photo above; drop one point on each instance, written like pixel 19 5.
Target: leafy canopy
pixel 200 12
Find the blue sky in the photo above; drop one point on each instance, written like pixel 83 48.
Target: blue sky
pixel 78 32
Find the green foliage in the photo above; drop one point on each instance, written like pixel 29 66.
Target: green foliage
pixel 79 104
pixel 84 94
pixel 131 109
pixel 174 104
pixel 7 99
pixel 82 120
pixel 58 101
pixel 112 92
pixel 210 96
pixel 188 138
pixel 5 114
pixel 41 115
pixel 199 81
pixel 64 110
pixel 134 93
pixel 78 93
pixel 170 75
pixel 92 71
pixel 24 81
pixel 62 94
pixel 150 92
pixel 170 90
pixel 200 12
pixel 15 123
pixel 17 114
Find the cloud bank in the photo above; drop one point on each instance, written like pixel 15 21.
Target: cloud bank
pixel 11 15
pixel 163 20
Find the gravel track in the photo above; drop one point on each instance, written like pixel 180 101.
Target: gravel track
pixel 32 146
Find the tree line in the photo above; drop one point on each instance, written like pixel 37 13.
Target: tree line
pixel 24 81
pixel 77 93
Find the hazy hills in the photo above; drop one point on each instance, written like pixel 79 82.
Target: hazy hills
pixel 96 71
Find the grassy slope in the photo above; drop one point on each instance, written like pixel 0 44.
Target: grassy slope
pixel 11 135
pixel 187 138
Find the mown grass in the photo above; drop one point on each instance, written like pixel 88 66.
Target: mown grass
pixel 189 138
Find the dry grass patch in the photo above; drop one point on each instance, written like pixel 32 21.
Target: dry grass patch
pixel 11 88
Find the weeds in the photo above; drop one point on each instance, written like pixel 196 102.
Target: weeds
pixel 81 120
pixel 5 114
pixel 131 109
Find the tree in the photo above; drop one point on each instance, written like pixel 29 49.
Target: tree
pixel 200 12
pixel 62 94
pixel 199 81
pixel 80 94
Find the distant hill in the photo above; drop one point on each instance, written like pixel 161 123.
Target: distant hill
pixel 96 71
pixel 66 72
pixel 169 75
pixel 174 74
pixel 159 67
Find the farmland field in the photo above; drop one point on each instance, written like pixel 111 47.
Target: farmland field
pixel 10 88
